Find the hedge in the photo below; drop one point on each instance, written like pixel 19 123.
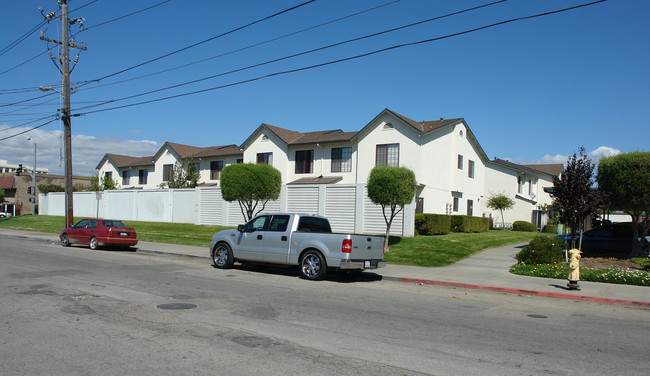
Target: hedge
pixel 524 226
pixel 550 229
pixel 432 224
pixel 463 223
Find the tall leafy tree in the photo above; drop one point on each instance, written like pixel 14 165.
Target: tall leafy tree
pixel 500 202
pixel 625 178
pixel 251 185
pixel 392 188
pixel 575 191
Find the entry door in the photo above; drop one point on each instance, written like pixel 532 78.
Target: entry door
pixel 276 240
pixel 470 208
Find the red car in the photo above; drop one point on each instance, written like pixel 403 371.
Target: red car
pixel 96 231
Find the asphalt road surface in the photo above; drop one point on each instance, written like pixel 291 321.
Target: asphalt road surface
pixel 73 311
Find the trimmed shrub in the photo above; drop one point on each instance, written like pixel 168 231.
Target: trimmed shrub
pixel 524 226
pixel 432 224
pixel 463 223
pixel 542 250
pixel 550 229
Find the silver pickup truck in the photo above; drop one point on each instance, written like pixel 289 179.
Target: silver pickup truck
pixel 297 239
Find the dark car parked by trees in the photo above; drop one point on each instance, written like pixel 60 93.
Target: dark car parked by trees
pixel 609 240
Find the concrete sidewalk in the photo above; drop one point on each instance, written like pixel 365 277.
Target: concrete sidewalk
pixel 488 270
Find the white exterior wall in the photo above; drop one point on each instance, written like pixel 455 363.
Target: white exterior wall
pixel 272 145
pixel 109 167
pixel 166 156
pixel 204 165
pixel 322 162
pixel 376 134
pixel 501 179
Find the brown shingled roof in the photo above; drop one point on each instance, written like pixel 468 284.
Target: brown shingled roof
pixel 184 151
pixel 217 151
pixel 296 138
pixel 122 161
pixel 551 169
pixel 426 126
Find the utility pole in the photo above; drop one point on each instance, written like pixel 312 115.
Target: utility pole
pixel 65 116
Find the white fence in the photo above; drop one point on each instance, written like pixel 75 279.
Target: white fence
pixel 347 206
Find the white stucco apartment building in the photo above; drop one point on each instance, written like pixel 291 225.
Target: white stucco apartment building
pixel 453 172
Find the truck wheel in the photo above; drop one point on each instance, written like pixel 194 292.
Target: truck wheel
pixel 313 266
pixel 94 243
pixel 65 241
pixel 222 256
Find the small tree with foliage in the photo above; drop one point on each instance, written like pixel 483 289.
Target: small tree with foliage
pixel 182 177
pixel 251 185
pixel 392 188
pixel 2 195
pixel 500 202
pixel 575 192
pixel 625 178
pixel 103 184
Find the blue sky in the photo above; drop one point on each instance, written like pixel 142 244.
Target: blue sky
pixel 532 91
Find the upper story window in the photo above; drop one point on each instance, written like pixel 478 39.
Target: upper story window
pixel 520 182
pixel 265 158
pixel 341 159
pixel 167 172
pixel 142 177
pixel 470 169
pixel 387 155
pixel 125 177
pixel 460 162
pixel 304 161
pixel 215 169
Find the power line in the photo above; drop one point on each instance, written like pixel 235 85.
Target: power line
pixel 20 39
pixel 301 53
pixel 126 15
pixel 29 130
pixel 347 58
pixel 206 40
pixel 240 49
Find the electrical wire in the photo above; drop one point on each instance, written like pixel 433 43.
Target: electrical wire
pixel 83 83
pixel 126 15
pixel 20 39
pixel 205 40
pixel 28 130
pixel 301 53
pixel 347 58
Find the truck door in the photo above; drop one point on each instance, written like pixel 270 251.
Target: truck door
pixel 251 241
pixel 276 240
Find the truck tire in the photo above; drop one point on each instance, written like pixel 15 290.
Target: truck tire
pixel 313 266
pixel 222 256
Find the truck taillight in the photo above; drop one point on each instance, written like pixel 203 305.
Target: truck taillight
pixel 346 246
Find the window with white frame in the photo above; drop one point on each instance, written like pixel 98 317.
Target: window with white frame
pixel 304 161
pixel 342 159
pixel 460 162
pixel 167 172
pixel 215 169
pixel 265 158
pixel 125 177
pixel 142 176
pixel 455 208
pixel 387 155
pixel 470 169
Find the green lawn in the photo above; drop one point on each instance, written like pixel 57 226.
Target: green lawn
pixel 439 250
pixel 160 232
pixel 442 250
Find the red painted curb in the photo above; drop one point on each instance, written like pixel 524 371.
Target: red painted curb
pixel 557 295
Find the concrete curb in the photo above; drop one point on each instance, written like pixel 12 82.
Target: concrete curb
pixel 507 290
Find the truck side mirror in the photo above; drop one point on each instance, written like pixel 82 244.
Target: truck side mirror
pixel 240 228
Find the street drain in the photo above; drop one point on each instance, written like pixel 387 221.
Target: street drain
pixel 176 306
pixel 537 316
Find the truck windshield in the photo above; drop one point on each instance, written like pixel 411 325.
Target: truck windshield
pixel 314 224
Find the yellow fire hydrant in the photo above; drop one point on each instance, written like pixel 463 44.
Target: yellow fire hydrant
pixel 574 269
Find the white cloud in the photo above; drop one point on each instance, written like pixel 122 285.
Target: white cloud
pixel 87 151
pixel 594 156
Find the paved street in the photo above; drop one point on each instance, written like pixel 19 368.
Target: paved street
pixel 70 311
